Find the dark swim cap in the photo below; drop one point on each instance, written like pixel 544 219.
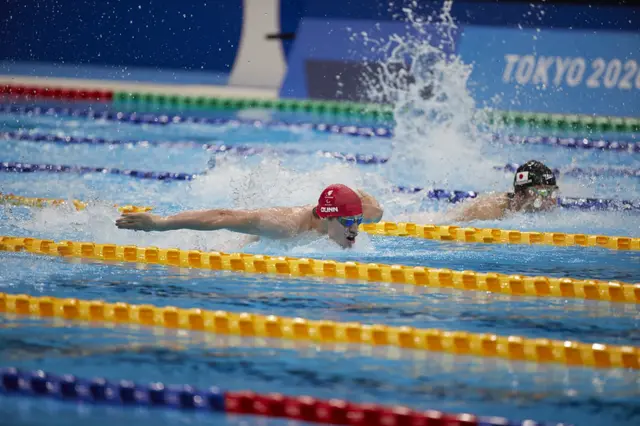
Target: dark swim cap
pixel 533 173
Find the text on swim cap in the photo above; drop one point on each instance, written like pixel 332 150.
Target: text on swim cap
pixel 328 209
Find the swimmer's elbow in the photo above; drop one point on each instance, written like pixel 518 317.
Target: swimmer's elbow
pixel 372 214
pixel 372 211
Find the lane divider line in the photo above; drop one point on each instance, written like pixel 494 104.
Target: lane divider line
pixel 24 167
pixel 21 167
pixel 165 119
pixel 499 236
pixel 349 130
pixel 333 108
pixel 98 390
pixel 515 285
pixel 246 150
pixel 18 200
pixel 574 143
pixel 513 348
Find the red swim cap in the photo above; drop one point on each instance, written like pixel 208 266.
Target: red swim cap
pixel 338 200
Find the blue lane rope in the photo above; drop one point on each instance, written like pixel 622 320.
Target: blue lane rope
pixel 217 148
pixel 581 171
pixel 364 131
pixel 433 194
pixel 246 150
pixel 126 393
pixel 23 135
pixel 99 390
pixel 16 167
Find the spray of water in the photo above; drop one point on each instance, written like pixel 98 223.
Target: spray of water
pixel 435 114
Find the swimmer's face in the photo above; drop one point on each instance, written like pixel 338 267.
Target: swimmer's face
pixel 539 198
pixel 344 230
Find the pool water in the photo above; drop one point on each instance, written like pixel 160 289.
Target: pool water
pixel 419 380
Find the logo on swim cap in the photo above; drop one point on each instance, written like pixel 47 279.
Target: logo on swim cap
pixel 522 178
pixel 338 200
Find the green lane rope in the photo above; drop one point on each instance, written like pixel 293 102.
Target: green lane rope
pixel 374 111
pixel 350 109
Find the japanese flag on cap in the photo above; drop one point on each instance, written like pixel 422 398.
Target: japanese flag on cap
pixel 338 201
pixel 522 178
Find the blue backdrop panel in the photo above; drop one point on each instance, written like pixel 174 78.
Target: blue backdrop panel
pixel 595 72
pixel 201 35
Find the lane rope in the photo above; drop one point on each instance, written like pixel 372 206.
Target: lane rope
pixel 514 348
pixel 18 200
pixel 246 150
pixel 18 167
pixel 515 285
pixel 575 143
pixel 334 108
pixel 499 236
pixel 164 119
pixel 591 204
pixel 350 130
pixel 404 229
pixel 382 111
pixel 25 135
pixel 22 167
pixel 581 171
pixel 98 390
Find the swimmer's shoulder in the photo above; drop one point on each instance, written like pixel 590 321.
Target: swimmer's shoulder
pixel 485 207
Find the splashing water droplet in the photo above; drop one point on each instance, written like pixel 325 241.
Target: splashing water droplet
pixel 436 132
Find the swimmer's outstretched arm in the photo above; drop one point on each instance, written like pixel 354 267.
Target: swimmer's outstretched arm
pixel 254 222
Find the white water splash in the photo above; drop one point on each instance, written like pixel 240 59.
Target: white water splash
pixel 436 133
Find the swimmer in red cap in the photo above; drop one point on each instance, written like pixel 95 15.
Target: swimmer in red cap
pixel 337 214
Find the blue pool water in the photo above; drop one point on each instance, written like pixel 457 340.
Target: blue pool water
pixel 419 380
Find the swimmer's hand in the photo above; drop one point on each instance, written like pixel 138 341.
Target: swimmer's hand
pixel 140 222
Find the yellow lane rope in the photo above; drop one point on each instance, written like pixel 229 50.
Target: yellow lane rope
pixel 246 324
pixel 429 232
pixel 516 285
pixel 499 236
pixel 19 200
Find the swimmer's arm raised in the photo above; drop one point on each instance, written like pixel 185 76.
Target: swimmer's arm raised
pixel 371 209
